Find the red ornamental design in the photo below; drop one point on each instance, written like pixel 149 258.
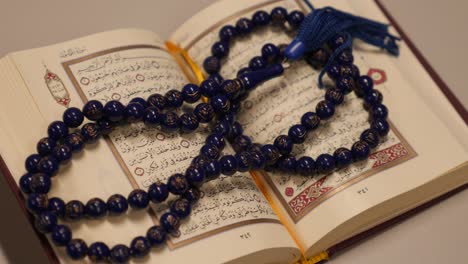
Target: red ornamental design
pixel 289 191
pixel 309 195
pixel 57 88
pixel 379 76
pixel 389 154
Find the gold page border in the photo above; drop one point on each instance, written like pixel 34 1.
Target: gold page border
pixel 124 167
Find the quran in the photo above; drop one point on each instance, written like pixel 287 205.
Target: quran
pixel 252 217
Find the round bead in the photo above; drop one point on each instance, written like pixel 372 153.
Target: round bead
pixel 48 165
pixel 200 161
pixel 31 162
pixel 365 85
pixel 106 126
pixel 271 154
pixel 244 161
pixel 228 165
pixel 181 208
pixel 257 63
pixel 156 235
pixel 90 132
pixel 152 116
pixel 189 122
pixel 335 96
pixel 345 84
pixel 140 247
pixel 114 110
pixel 61 235
pixel 170 121
pixel 310 121
pixel 98 252
pixel 325 109
pixel 177 184
pixel 93 110
pixel 62 153
pixel 333 71
pixel 318 58
pixel 287 163
pixel 337 41
pixel 373 98
pixel 284 144
pixel 325 163
pixel 212 170
pixel 231 88
pixel 157 100
pixel 227 33
pixel 195 175
pixel 345 58
pixel 258 160
pixel 170 222
pixel 204 112
pixel 75 141
pixel 295 18
pixel 244 26
pixel 216 77
pixel 191 93
pixel 158 192
pixel 355 73
pixel 117 204
pixel 360 150
pixel 371 137
pixel 25 183
pixel 73 117
pixel 297 133
pixel 119 254
pixel 56 206
pixel 74 210
pixel 45 222
pixel 241 142
pixel 261 18
pixel 220 49
pixel 192 194
pixel 77 249
pixel 216 139
pixel 270 52
pixel 138 199
pixel 278 16
pixel 211 65
pixel 210 151
pixel 343 157
pixel 220 103
pixel 381 126
pixel 96 208
pixel 236 130
pixel 379 111
pixel 174 98
pixel 40 183
pixel 134 112
pixel 209 88
pixel 140 101
pixel 45 146
pixel 242 71
pixel 305 166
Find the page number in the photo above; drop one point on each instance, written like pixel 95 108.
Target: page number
pixel 363 190
pixel 246 235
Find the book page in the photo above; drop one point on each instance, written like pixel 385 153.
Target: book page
pixel 315 206
pixel 121 65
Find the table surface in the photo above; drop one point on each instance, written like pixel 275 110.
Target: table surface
pixel 437 235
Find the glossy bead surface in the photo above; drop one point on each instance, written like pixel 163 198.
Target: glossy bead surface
pixel 236 130
pixel 305 166
pixel 278 16
pixel 170 222
pixel 295 18
pixel 45 146
pixel 56 206
pixel 98 252
pixel 75 141
pixel 170 121
pixel 114 110
pixel 345 84
pixel 379 111
pixel 62 153
pixel 90 132
pixel 138 199
pixel 77 249
pixel 74 210
pixel 25 183
pixel 189 122
pixel 365 85
pixel 310 121
pixel 209 88
pixel 217 140
pixel 220 49
pixel 318 58
pixel 325 109
pixel 174 98
pixel 211 65
pixel 297 133
pixel 284 144
pixel 373 98
pixel 140 101
pixel 371 137
pixel 270 52
pixel 228 165
pixel 381 126
pixel 204 112
pixel 334 71
pixel 134 112
pixel 48 165
pixel 105 126
pixel 40 183
pixel 345 58
pixel 335 96
pixel 210 151
pixel 177 184
pixel 73 117
pixel 212 170
pixel 261 18
pixel 244 26
pixel 157 100
pixel 227 33
pixel 156 235
pixel 140 247
pixel 61 235
pixel 241 142
pixel 192 195
pixel 181 208
pixel 271 154
pixel 152 116
pixel 31 162
pixel 93 110
pixel 220 103
pixel 119 254
pixel 258 160
pixel 287 163
pixel 158 192
pixel 325 163
pixel 360 150
pixel 337 41
pixel 244 161
pixel 343 157
pixel 117 204
pixel 45 222
pixel 96 208
pixel 231 88
pixel 257 63
pixel 191 93
pixel 195 175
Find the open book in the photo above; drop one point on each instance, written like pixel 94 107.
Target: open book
pixel 254 217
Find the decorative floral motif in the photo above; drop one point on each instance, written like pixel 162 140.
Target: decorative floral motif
pixel 310 194
pixel 389 154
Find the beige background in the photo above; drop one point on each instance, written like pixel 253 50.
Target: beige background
pixel 438 235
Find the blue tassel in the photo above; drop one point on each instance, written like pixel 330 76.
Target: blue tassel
pixel 322 24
